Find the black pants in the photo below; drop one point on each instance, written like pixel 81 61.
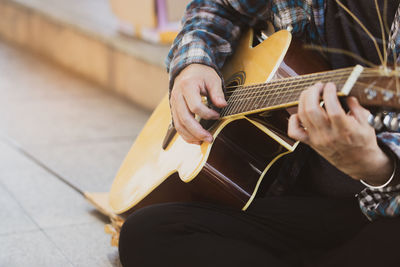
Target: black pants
pixel 274 231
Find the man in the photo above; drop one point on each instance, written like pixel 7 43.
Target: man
pixel 316 220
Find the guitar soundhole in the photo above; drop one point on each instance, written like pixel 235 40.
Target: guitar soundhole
pixel 234 81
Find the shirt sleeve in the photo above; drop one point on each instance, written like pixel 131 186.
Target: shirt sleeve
pixel 211 30
pixel 383 202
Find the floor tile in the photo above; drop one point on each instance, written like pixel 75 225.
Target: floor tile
pixel 69 121
pixel 13 218
pixel 48 201
pixel 85 245
pixel 49 106
pixel 32 249
pixel 90 166
pixel 11 159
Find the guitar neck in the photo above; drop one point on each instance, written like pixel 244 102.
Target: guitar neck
pixel 284 92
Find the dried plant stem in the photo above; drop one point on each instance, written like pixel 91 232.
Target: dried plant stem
pixel 340 51
pixel 385 17
pixel 383 34
pixel 365 30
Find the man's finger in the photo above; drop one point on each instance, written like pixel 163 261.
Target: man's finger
pixel 187 119
pixel 181 129
pixel 359 113
pixel 334 109
pixel 301 112
pixel 196 106
pixel 184 133
pixel 295 130
pixel 215 92
pixel 315 114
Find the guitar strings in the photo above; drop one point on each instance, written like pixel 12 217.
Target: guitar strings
pixel 235 104
pixel 254 99
pixel 367 71
pixel 274 91
pixel 274 87
pixel 294 77
pixel 267 90
pixel 285 80
pixel 265 104
pixel 296 89
pixel 270 89
pixel 267 101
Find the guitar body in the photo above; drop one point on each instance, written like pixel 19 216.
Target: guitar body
pixel 230 170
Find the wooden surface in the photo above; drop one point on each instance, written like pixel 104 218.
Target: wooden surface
pixel 137 12
pixel 175 9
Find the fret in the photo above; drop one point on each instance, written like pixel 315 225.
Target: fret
pixel 259 97
pixel 264 99
pixel 278 94
pixel 269 95
pixel 231 107
pixel 246 102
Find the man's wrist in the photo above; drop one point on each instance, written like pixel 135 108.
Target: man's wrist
pixel 384 169
pixel 389 181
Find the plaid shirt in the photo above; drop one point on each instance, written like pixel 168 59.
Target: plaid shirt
pixel 212 28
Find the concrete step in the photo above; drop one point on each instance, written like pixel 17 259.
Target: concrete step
pixel 82 36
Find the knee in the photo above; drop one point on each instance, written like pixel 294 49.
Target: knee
pixel 136 232
pixel 144 232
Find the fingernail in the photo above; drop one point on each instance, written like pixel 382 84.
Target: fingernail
pixel 331 84
pixel 209 139
pixel 319 84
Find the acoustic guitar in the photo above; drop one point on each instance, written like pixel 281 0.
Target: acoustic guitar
pixel 261 81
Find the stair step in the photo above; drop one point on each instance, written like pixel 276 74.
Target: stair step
pixel 82 36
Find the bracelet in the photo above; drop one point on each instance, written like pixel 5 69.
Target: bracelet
pixel 385 184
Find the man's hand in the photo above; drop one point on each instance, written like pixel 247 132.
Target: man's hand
pixel 346 140
pixel 194 81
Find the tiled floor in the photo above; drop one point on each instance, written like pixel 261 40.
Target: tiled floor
pixel 77 132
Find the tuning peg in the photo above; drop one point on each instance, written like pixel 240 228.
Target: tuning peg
pixel 370 92
pixel 376 121
pixel 390 120
pixel 394 123
pixel 387 120
pixel 387 95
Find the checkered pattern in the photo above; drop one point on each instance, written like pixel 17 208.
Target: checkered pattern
pixel 383 202
pixel 211 30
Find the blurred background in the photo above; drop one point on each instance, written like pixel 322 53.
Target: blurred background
pixel 78 80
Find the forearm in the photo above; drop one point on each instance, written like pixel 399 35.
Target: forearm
pixel 210 32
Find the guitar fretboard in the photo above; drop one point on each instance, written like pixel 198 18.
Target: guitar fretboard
pixel 282 92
